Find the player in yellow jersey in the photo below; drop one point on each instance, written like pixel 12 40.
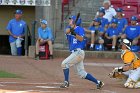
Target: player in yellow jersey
pixel 131 67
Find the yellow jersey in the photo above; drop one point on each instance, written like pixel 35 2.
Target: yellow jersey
pixel 130 57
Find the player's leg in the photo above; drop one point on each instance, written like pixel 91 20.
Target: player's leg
pixel 114 42
pixel 80 70
pixel 50 48
pixel 101 42
pixel 135 42
pixel 92 41
pixel 13 48
pixel 133 79
pixel 127 73
pixel 19 47
pixel 67 63
pixel 37 49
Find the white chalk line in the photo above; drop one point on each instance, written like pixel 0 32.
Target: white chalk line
pixel 104 64
pixel 108 91
pixel 47 87
pixel 44 87
pixel 27 91
pixel 54 83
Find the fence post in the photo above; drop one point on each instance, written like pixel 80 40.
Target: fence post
pixel 64 36
pixel 33 33
pixel 26 40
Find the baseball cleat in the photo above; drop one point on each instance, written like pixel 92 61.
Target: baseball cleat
pixel 65 84
pixel 51 56
pixel 100 85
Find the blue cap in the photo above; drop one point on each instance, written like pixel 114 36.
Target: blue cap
pixel 18 12
pixel 79 21
pixel 73 17
pixel 119 10
pixel 44 22
pixel 97 20
pixel 102 10
pixel 114 20
pixel 134 18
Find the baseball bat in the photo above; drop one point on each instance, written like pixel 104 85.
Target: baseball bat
pixel 77 17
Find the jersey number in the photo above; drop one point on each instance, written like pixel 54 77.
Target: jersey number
pixel 74 41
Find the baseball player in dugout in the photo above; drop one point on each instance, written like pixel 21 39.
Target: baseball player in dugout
pixel 16 30
pixel 131 67
pixel 75 36
pixel 45 36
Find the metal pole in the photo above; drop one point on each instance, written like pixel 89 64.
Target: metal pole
pixel 64 37
pixel 26 40
pixel 33 33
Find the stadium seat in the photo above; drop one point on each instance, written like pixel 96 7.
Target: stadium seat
pixel 115 6
pixel 129 11
pixel 65 2
pixel 139 9
pixel 138 16
pixel 117 2
pixel 132 2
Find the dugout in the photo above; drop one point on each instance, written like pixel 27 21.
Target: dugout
pixel 6 14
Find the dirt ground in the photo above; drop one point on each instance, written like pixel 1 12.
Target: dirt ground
pixel 45 76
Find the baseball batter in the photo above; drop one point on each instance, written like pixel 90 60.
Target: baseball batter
pixel 131 67
pixel 75 35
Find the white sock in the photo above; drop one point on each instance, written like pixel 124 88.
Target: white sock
pixel 113 46
pixel 91 45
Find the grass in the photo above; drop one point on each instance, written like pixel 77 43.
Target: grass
pixel 4 74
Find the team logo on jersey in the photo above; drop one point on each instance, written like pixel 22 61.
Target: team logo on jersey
pixel 132 28
pixel 20 25
pixel 113 31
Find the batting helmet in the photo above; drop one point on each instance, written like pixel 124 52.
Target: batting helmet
pixel 79 21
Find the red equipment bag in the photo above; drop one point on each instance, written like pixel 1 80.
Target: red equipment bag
pixel 44 52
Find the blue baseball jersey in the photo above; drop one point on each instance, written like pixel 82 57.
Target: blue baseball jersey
pixel 112 31
pixel 139 30
pixel 132 32
pixel 73 42
pixel 45 33
pixel 121 23
pixel 104 22
pixel 17 28
pixel 96 29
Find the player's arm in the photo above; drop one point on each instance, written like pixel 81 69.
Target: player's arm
pixel 67 31
pixel 9 28
pixel 86 30
pixel 39 35
pixel 124 28
pixel 78 37
pixel 106 35
pixel 21 36
pixel 126 24
pixel 105 28
pixel 101 34
pixel 9 32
